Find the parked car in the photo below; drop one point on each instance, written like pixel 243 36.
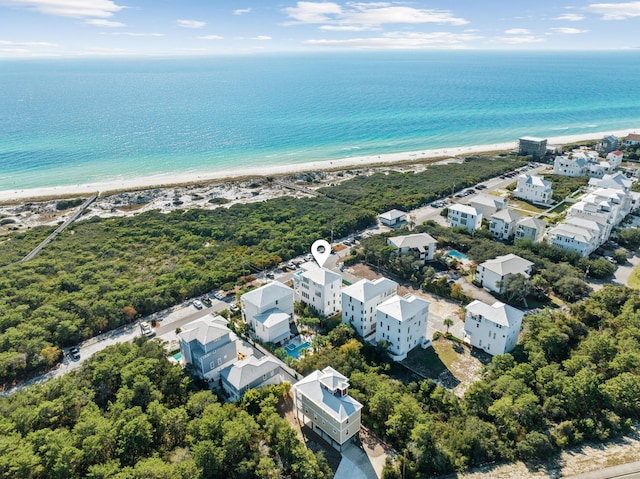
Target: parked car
pixel 481 187
pixel 206 300
pixel 146 328
pixel 198 304
pixel 270 275
pixel 74 353
pixel 219 295
pixel 233 307
pixel 291 266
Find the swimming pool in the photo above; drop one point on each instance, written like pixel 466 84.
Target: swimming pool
pixel 177 357
pixel 458 255
pixel 294 351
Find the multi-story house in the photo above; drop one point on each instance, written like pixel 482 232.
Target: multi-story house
pixel 402 323
pixel 250 373
pixel 493 273
pixel 530 228
pixel 268 311
pixel 322 399
pixel 462 216
pixel 574 238
pixel 492 328
pixel 321 289
pixel 534 189
pixel 489 204
pixel 532 146
pixel 422 244
pixel 571 165
pixel 503 224
pixel 360 302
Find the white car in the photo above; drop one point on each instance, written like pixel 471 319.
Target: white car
pixel 198 304
pixel 147 330
pixel 233 307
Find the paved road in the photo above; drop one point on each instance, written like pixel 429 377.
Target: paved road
pixel 626 471
pixel 621 276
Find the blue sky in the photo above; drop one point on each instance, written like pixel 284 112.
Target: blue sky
pixel 72 28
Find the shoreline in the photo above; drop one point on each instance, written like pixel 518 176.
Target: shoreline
pixel 167 180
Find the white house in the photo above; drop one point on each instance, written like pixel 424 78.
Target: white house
pixel 530 228
pixel 574 238
pixel 492 328
pixel 392 218
pixel 360 302
pixel 422 244
pixel 489 204
pixel 571 165
pixel 534 188
pixel 250 373
pixel 402 322
pixel 462 216
pixel 503 224
pixel 268 310
pixel 321 289
pixel 608 143
pixel 615 159
pixel 322 399
pixel 209 346
pixel 632 139
pixel 493 273
pixel 616 181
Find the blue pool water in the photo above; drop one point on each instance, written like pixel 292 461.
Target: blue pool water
pixel 458 255
pixel 294 351
pixel 177 357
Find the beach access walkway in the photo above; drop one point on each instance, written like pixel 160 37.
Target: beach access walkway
pixel 60 228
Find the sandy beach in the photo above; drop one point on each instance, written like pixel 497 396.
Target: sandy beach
pixel 166 180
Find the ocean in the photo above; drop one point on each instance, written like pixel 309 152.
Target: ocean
pixel 68 122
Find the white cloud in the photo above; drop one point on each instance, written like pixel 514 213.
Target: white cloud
pixel 69 8
pixel 367 15
pixel 211 37
pixel 133 34
pixel 343 28
pixel 570 17
pixel 261 38
pixel 517 40
pixel 568 30
pixel 517 31
pixel 26 44
pixel 241 11
pixel 402 41
pixel 191 24
pixel 104 23
pixel 615 11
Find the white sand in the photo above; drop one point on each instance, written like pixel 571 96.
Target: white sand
pixel 361 161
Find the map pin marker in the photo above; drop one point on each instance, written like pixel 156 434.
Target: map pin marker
pixel 321 250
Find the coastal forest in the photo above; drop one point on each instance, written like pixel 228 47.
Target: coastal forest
pixel 103 273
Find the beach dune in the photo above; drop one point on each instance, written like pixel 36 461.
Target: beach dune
pixel 165 180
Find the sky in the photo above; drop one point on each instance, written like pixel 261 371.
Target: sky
pixel 81 28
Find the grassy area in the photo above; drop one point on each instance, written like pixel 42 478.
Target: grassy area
pixel 634 279
pixel 523 206
pixel 560 208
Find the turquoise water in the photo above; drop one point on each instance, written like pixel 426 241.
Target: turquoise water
pixel 458 255
pixel 80 121
pixel 295 352
pixel 177 357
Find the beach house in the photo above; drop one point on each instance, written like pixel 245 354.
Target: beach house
pixel 532 146
pixel 322 400
pixel 250 373
pixel 209 346
pixel 268 310
pixel 530 228
pixel 493 273
pixel 608 143
pixel 422 244
pixel 632 139
pixel 534 189
pixel 489 204
pixel 321 289
pixel 503 224
pixel 463 216
pixel 615 159
pixel 574 238
pixel 360 301
pixel 492 328
pixel 392 218
pixel 570 165
pixel 402 324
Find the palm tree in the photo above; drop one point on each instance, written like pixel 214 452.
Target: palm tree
pixel 448 323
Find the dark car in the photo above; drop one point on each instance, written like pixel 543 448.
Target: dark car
pixel 74 353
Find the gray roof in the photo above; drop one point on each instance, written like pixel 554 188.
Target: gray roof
pixel 205 330
pixel 267 294
pixel 507 264
pixel 272 317
pixel 498 312
pixel 470 210
pixel 489 200
pixel 245 372
pixel 531 222
pixel 400 308
pixel 366 289
pixel 570 231
pixel 415 241
pixel 392 215
pixel 536 180
pixel 506 215
pixel 322 276
pixel 315 388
